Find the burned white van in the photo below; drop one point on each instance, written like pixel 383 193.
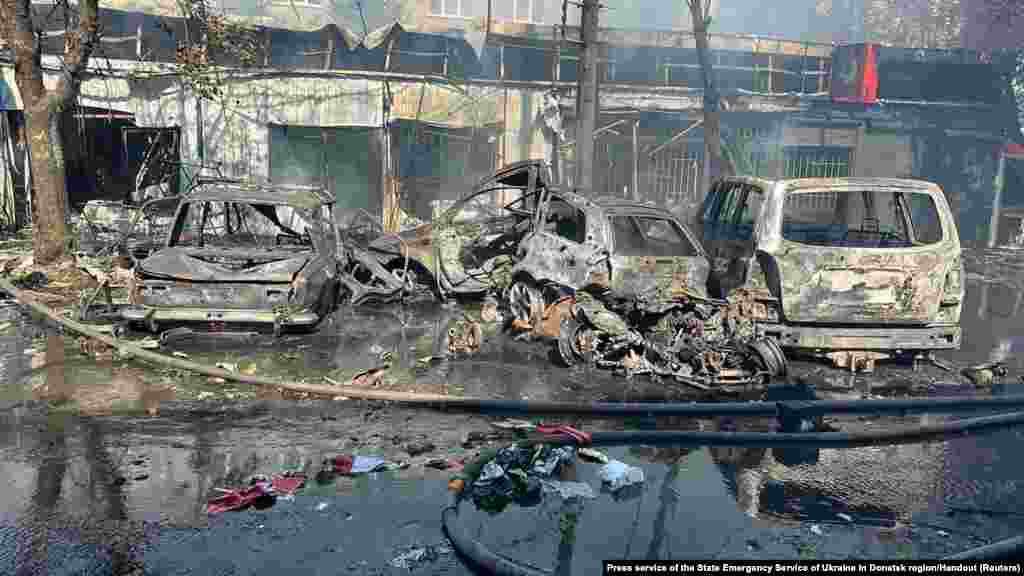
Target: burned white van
pixel 855 269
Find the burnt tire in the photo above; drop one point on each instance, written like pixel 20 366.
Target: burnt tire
pixel 770 355
pixel 575 342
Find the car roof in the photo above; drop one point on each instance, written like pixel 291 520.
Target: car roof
pixel 797 184
pixel 245 192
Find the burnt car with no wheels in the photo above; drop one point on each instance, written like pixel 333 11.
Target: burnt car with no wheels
pixel 853 269
pixel 242 254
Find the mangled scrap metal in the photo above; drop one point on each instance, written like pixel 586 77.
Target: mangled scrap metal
pixel 362 275
pixel 853 269
pixel 470 248
pixel 242 254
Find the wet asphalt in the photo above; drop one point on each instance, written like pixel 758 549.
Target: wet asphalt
pixel 126 494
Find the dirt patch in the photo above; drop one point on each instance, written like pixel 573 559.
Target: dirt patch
pixel 58 284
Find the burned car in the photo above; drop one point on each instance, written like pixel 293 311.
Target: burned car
pixel 854 269
pixel 241 254
pixel 623 284
pixel 601 278
pixel 470 248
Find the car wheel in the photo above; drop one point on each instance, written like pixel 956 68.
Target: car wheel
pixel 526 303
pixel 575 342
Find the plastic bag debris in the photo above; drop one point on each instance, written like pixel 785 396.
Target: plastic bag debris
pixel 416 556
pixel 617 475
pixel 569 490
pixel 322 506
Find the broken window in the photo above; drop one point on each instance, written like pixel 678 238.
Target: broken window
pixel 645 236
pixel 924 217
pixel 732 213
pixel 228 225
pixel 565 220
pixel 861 218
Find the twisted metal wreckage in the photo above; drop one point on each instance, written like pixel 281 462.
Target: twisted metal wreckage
pixel 871 268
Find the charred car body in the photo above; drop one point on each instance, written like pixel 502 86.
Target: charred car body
pixel 242 254
pixel 854 269
pixel 469 249
pixel 616 282
pixel 625 284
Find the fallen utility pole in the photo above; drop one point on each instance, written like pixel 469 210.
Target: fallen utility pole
pixel 586 96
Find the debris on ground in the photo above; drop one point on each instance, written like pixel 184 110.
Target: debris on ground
pixel 514 475
pixel 288 483
pixel 703 345
pixel 591 455
pixel 984 375
pixel 259 492
pixel 418 556
pixel 417 448
pixel 443 464
pixel 569 490
pixel 618 475
pixel 370 378
pixel 514 425
pixel 349 465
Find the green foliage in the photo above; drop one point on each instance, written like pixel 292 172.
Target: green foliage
pixel 212 40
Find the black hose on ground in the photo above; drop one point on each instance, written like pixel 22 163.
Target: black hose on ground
pixel 888 436
pixel 1010 549
pixel 486 405
pixel 471 549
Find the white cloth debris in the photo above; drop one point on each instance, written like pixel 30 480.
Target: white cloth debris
pixel 618 475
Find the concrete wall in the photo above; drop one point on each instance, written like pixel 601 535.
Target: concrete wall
pixel 235 127
pixel 884 155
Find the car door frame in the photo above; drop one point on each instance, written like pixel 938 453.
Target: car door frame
pixel 572 260
pixel 448 221
pixel 729 252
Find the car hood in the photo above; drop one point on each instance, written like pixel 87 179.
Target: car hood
pixel 224 265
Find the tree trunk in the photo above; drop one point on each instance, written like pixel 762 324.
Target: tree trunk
pixel 719 165
pixel 44 111
pixel 49 204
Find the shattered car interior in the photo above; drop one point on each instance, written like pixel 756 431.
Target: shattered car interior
pixel 241 254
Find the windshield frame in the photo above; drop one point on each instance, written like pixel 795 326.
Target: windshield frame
pixel 182 213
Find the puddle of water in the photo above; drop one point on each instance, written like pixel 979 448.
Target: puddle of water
pixel 112 476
